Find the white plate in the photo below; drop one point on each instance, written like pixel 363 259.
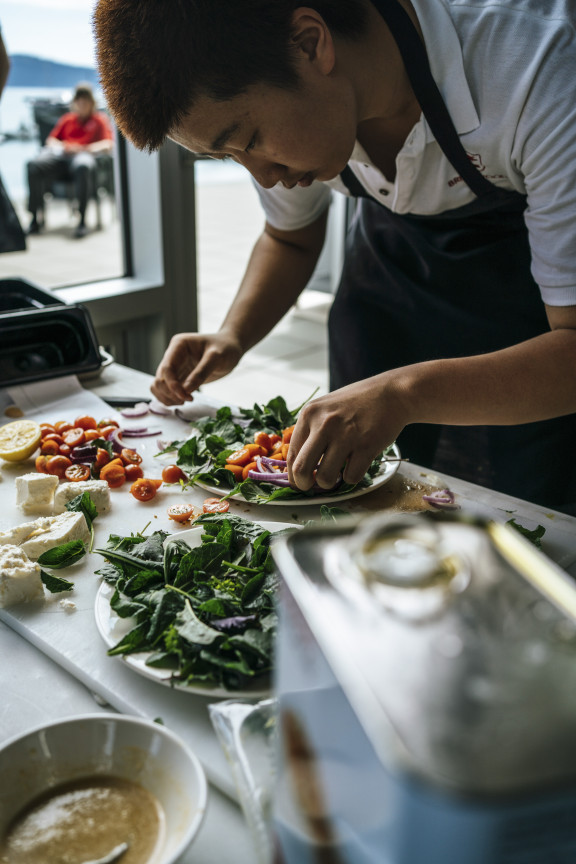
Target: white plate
pixel 385 473
pixel 112 628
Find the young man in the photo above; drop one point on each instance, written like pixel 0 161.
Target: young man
pixel 70 153
pixel 454 327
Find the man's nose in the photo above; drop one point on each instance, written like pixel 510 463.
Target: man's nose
pixel 266 173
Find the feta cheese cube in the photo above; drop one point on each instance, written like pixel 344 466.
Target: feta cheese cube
pixel 98 489
pixel 19 577
pixel 53 531
pixel 21 532
pixel 35 492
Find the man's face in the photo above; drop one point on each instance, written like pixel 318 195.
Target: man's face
pixel 83 106
pixel 280 136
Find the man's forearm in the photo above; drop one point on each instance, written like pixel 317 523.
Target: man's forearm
pixel 534 380
pixel 276 275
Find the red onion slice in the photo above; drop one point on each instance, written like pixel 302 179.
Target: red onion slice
pixel 273 477
pixel 158 408
pixel 441 500
pixel 137 410
pixel 281 463
pixel 140 433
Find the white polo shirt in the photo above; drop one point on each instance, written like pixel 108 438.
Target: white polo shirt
pixel 507 72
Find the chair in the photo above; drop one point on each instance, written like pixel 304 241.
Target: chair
pixel 46 114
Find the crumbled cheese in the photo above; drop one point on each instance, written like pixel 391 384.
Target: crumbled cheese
pixel 20 579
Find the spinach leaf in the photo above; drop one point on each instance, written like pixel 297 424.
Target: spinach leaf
pixel 55 584
pixel 533 536
pixel 63 555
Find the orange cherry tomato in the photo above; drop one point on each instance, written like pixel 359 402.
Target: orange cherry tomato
pixel 91 434
pixel 85 422
pixel 108 422
pixel 102 457
pixel 46 429
pixel 256 450
pixel 49 447
pixel 239 457
pixel 114 473
pixel 275 439
pixel 53 436
pixel 106 431
pixel 133 472
pixel 252 466
pixel 130 457
pixel 173 474
pixel 64 450
pixel 180 512
pixel 77 472
pixel 287 434
pixel 144 489
pixel 62 426
pixel 57 465
pixel 236 470
pixel 73 437
pixel 40 464
pixel 215 505
pixel 263 440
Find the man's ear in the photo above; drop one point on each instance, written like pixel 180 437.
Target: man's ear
pixel 313 39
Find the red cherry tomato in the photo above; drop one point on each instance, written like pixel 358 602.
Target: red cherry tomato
pixel 180 512
pixel 77 472
pixel 173 474
pixel 144 489
pixel 215 505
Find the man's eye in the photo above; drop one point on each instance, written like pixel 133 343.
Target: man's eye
pixel 251 144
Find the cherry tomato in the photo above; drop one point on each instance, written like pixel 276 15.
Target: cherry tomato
pixel 77 472
pixel 287 434
pixel 106 431
pixel 46 429
pixel 102 458
pixel 64 450
pixel 114 473
pixel 53 436
pixel 133 472
pixel 215 505
pixel 173 474
pixel 91 434
pixel 40 464
pixel 239 457
pixel 85 422
pixel 73 437
pixel 275 439
pixel 144 489
pixel 108 422
pixel 57 465
pixel 263 440
pixel 49 447
pixel 236 470
pixel 130 457
pixel 181 512
pixel 252 466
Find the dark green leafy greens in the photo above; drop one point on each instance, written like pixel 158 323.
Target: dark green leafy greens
pixel 203 456
pixel 534 536
pixel 67 554
pixel 206 614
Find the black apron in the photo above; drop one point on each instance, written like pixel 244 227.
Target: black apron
pixel 419 288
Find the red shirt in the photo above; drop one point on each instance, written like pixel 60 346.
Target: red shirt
pixel 69 128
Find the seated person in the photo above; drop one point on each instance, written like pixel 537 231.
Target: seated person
pixel 69 154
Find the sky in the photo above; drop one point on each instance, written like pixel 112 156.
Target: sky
pixel 52 29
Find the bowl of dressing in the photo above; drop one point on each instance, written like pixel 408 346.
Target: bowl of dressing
pixel 99 788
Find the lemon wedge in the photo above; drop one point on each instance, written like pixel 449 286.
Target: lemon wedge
pixel 18 440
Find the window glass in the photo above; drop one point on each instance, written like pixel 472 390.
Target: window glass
pixel 50 46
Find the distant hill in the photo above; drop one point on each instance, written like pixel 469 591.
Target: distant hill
pixel 26 71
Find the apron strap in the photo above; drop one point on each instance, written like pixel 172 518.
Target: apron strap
pixel 413 52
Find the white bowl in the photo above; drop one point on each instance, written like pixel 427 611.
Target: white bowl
pixel 108 744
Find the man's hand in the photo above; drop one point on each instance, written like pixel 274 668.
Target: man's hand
pixel 345 430
pixel 192 359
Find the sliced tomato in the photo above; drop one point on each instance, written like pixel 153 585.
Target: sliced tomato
pixel 57 465
pixel 263 440
pixel 49 447
pixel 106 431
pixel 73 437
pixel 77 472
pixel 275 439
pixel 239 457
pixel 287 434
pixel 102 458
pixel 114 473
pixel 62 426
pixel 133 472
pixel 85 422
pixel 130 456
pixel 40 464
pixel 144 489
pixel 180 512
pixel 47 429
pixel 173 474
pixel 64 450
pixel 252 466
pixel 108 422
pixel 215 505
pixel 236 470
pixel 91 434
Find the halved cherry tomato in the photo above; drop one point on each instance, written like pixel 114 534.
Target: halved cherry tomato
pixel 57 465
pixel 236 470
pixel 49 447
pixel 239 457
pixel 263 440
pixel 180 512
pixel 74 436
pixel 215 505
pixel 256 450
pixel 62 426
pixel 108 422
pixel 53 436
pixel 252 466
pixel 287 434
pixel 46 429
pixel 85 422
pixel 64 450
pixel 91 434
pixel 40 464
pixel 275 439
pixel 114 473
pixel 144 489
pixel 133 472
pixel 77 472
pixel 106 431
pixel 173 474
pixel 102 458
pixel 130 457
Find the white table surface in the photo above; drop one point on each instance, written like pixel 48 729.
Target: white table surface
pixel 35 689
